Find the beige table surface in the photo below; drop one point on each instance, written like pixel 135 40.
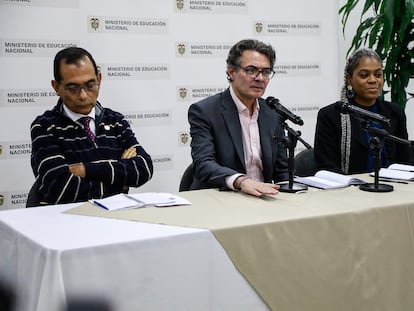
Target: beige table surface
pixel 342 249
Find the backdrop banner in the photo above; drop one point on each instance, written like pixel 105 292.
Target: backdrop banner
pixel 156 59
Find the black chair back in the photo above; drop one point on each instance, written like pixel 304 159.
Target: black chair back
pixel 305 163
pixel 187 179
pixel 33 198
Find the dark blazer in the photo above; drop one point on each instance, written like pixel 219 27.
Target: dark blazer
pixel 328 139
pixel 217 148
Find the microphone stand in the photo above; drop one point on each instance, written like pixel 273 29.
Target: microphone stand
pixel 290 142
pixel 376 143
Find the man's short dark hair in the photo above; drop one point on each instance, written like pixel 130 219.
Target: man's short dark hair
pixel 70 55
pixel 233 59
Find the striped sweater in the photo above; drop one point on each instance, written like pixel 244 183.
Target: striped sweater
pixel 57 142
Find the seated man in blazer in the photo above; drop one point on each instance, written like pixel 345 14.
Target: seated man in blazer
pixel 236 138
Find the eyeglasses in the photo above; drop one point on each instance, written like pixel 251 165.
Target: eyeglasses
pixel 75 90
pixel 253 72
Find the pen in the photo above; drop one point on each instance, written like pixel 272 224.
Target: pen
pixel 98 204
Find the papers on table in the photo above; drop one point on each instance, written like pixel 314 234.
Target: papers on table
pixel 397 172
pixel 138 200
pixel 329 180
pixel 402 167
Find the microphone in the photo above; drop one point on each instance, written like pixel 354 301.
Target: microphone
pixel 275 104
pixel 362 113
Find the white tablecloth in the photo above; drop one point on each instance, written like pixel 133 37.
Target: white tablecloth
pixel 49 258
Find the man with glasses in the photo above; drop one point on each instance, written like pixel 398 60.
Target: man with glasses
pixel 236 138
pixel 81 150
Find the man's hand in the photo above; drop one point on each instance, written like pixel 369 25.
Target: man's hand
pixel 129 153
pixel 256 188
pixel 77 169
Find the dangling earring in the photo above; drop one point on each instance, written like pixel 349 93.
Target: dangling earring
pixel 350 94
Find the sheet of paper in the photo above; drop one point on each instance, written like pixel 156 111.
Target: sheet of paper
pixel 344 180
pixel 402 167
pixel 116 202
pixel 319 182
pixel 139 200
pixel 152 198
pixel 395 174
pixel 329 180
pixel 177 201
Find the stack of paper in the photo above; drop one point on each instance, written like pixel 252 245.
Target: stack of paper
pixel 138 200
pixel 397 172
pixel 401 167
pixel 329 180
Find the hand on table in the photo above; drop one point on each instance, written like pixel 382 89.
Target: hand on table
pixel 256 188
